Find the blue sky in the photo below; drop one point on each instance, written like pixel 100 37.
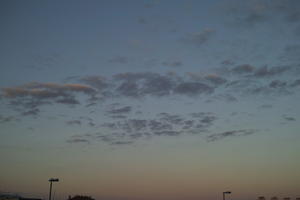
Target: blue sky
pixel 150 99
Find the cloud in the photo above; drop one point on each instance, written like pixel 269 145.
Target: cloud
pixel 33 112
pixel 265 106
pixel 219 136
pixel 247 14
pixel 192 89
pixel 123 110
pixel 31 95
pixel 225 97
pixel 199 38
pixel 267 72
pixel 164 124
pixel 238 81
pixel 227 62
pixel 245 68
pixel 78 140
pixel 142 20
pixel 213 79
pixel 143 84
pixel 295 83
pixel 46 90
pixel 68 100
pixel 169 118
pixel 173 63
pixel 156 125
pixel 288 118
pixel 98 82
pixel 119 60
pixel 7 119
pixel 74 122
pixel 291 53
pixel 167 133
pixel 277 84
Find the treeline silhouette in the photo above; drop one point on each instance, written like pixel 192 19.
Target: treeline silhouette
pixel 276 198
pixel 80 197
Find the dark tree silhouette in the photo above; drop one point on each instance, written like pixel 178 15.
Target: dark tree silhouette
pixel 261 198
pixel 274 198
pixel 80 197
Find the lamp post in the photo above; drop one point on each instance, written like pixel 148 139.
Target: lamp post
pixel 227 192
pixel 52 180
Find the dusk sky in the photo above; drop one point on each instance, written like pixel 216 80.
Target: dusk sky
pixel 150 99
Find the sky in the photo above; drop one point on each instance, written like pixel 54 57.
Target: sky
pixel 150 99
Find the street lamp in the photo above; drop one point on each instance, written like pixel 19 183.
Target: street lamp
pixel 52 180
pixel 227 192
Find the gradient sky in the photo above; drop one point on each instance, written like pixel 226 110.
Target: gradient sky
pixel 150 100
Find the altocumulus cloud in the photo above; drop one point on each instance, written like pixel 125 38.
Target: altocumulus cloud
pixel 233 133
pixel 241 79
pixel 129 131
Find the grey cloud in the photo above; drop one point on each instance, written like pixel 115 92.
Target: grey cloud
pixel 226 97
pixel 193 88
pixel 69 101
pixel 291 53
pixel 173 63
pixel 166 124
pixel 118 116
pixel 142 20
pixel 277 84
pixel 245 68
pixel 98 82
pixel 247 14
pixel 47 91
pixel 119 60
pixel 47 61
pixel 7 119
pixel 200 114
pixel 155 125
pixel 158 85
pixel 121 142
pixel 290 9
pixel 33 112
pixel 141 84
pixel 129 89
pixel 138 124
pixel 199 38
pixel 167 133
pixel 208 119
pixel 78 140
pixel 219 136
pixel 74 122
pixel 265 106
pixel 92 124
pixel 297 31
pixel 123 110
pixel 295 83
pixel 173 119
pixel 268 72
pixel 110 125
pixel 293 17
pixel 215 79
pixel 288 118
pixel 227 62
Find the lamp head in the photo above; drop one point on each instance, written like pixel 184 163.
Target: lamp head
pixel 53 179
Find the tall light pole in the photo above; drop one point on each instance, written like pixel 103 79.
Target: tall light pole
pixel 227 192
pixel 52 180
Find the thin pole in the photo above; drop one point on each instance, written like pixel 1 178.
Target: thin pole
pixel 223 196
pixel 50 190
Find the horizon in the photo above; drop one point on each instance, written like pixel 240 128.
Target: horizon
pixel 150 99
